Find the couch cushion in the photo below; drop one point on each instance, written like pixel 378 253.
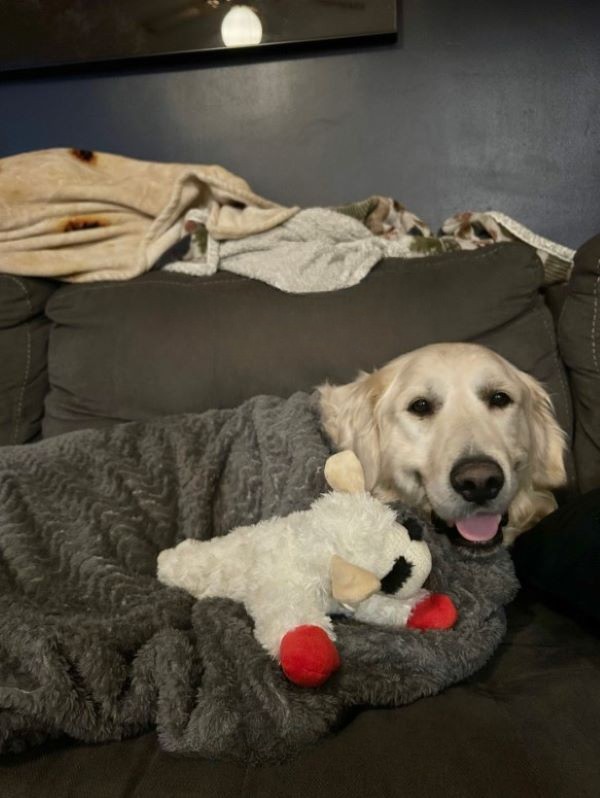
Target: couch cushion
pixel 579 339
pixel 168 343
pixel 23 346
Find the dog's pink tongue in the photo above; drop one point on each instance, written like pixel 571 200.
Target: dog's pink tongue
pixel 478 528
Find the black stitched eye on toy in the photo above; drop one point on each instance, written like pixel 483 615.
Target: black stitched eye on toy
pixel 499 399
pixel 421 407
pixel 400 573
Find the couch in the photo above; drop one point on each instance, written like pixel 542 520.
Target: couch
pixel 76 356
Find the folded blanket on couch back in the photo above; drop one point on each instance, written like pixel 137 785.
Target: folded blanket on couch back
pixel 93 646
pixel 78 215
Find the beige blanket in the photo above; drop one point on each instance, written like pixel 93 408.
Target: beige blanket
pixel 80 216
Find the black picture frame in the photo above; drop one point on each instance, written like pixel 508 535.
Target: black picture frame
pixel 76 35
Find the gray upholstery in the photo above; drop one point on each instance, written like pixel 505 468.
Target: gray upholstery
pixel 23 347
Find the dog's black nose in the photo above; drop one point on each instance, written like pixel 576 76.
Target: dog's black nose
pixel 414 529
pixel 477 479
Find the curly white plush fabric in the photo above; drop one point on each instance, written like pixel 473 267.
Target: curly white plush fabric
pixel 280 569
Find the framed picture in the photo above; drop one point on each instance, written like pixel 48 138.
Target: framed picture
pixel 42 34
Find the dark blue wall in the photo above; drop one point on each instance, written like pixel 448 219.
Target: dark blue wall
pixel 479 105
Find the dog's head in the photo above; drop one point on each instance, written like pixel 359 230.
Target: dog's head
pixel 456 430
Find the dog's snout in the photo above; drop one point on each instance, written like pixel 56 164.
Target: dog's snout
pixel 477 480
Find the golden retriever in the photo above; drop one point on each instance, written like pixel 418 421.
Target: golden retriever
pixel 456 431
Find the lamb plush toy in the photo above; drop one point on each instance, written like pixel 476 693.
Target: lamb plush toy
pixel 346 555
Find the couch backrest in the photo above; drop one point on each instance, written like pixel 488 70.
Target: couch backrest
pixel 168 343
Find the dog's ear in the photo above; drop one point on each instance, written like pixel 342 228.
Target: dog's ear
pixel 348 415
pixel 548 441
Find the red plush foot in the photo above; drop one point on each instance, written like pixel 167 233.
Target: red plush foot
pixel 436 611
pixel 308 657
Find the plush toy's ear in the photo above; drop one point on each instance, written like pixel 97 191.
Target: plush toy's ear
pixel 344 472
pixel 351 584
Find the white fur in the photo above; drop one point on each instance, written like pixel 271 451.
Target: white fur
pixel 410 458
pixel 280 569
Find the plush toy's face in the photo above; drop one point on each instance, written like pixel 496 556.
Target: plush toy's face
pixel 395 558
pixel 413 565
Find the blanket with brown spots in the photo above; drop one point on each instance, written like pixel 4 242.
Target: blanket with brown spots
pixel 78 215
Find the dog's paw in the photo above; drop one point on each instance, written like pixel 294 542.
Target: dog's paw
pixel 436 611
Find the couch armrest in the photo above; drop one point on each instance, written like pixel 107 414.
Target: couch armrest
pixel 579 343
pixel 23 354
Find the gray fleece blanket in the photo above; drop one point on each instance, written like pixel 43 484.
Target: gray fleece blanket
pixel 92 646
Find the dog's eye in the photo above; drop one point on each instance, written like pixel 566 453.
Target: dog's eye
pixel 499 399
pixel 421 407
